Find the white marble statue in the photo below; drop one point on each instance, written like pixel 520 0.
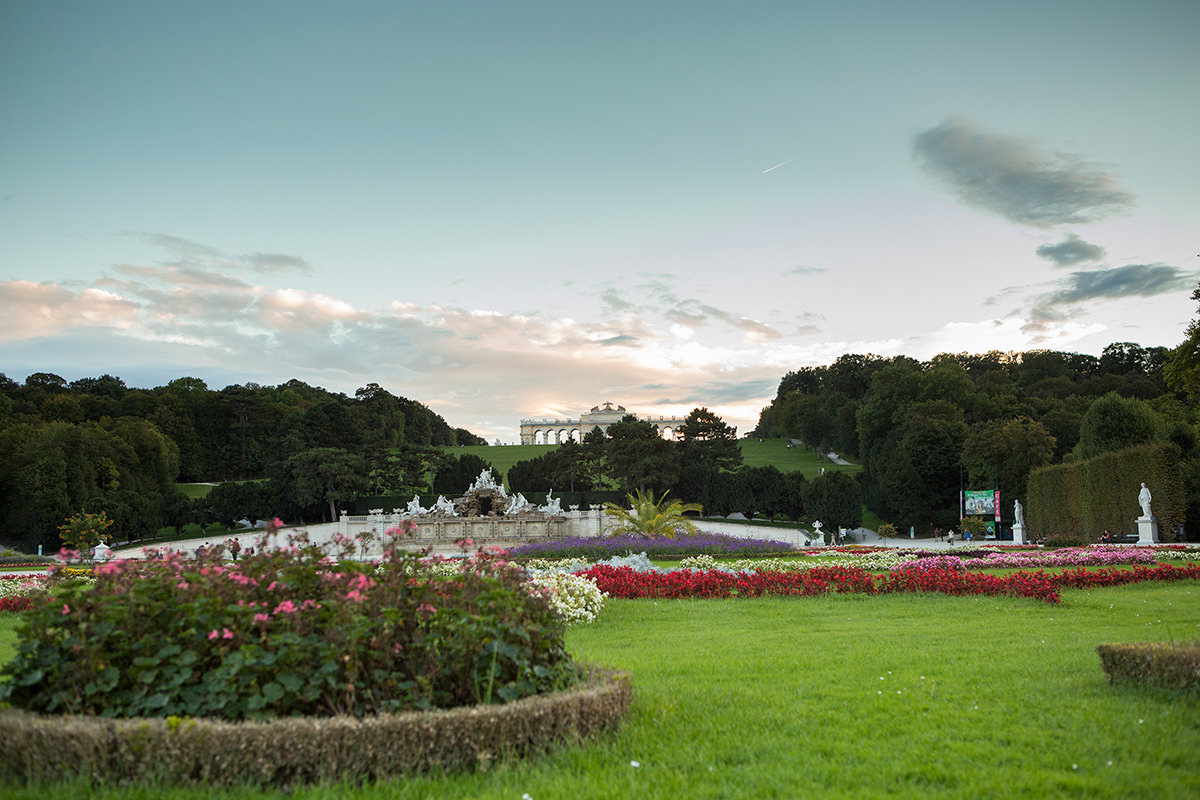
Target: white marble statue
pixel 445 506
pixel 1019 513
pixel 414 509
pixel 553 505
pixel 484 481
pixel 1144 501
pixel 518 505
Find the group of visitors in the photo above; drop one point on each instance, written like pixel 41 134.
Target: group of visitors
pixel 233 546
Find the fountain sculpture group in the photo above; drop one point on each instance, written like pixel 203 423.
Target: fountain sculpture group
pixel 486 514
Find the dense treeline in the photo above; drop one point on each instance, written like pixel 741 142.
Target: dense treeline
pixel 98 445
pixel 918 426
pixel 703 466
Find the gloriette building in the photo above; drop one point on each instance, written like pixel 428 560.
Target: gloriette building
pixel 556 431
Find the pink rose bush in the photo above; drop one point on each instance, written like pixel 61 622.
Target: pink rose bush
pixel 286 632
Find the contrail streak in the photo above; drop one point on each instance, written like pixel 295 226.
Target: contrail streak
pixel 777 166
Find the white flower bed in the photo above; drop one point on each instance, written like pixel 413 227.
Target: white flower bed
pixel 573 598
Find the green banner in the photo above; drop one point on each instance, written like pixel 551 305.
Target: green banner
pixel 980 503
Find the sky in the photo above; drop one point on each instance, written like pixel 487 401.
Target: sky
pixel 525 209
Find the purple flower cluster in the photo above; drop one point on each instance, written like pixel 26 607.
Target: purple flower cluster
pixel 602 547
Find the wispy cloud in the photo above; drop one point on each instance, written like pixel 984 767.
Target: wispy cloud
pixel 1014 179
pixel 1071 251
pixel 277 262
pixel 1078 288
pixel 802 270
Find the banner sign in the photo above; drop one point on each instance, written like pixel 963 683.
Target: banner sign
pixel 982 503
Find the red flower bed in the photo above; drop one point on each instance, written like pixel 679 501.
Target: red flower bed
pixel 18 603
pixel 942 581
pixel 624 582
pixel 1082 578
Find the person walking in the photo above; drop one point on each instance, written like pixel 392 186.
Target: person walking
pixel 235 547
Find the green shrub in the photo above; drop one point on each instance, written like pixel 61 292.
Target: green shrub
pixel 1175 665
pixel 287 632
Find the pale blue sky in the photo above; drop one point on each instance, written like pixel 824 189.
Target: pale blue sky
pixel 522 209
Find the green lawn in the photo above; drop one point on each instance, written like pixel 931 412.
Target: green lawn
pixel 195 490
pixel 795 459
pixel 501 458
pixel 855 696
pixel 754 453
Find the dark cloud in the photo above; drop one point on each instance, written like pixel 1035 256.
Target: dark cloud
pixel 1011 178
pixel 1134 280
pixel 277 262
pixel 1071 250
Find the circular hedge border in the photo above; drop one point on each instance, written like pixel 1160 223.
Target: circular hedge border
pixel 293 750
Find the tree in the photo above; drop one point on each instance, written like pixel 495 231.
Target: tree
pixel 1004 452
pixel 650 518
pixel 705 436
pixel 769 490
pixel 834 499
pixel 83 531
pixel 325 475
pixel 457 474
pixel 639 457
pixel 1114 423
pixel 593 458
pixel 1182 370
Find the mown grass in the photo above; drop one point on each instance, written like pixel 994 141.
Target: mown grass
pixel 775 452
pixel 853 696
pixel 195 490
pixel 754 453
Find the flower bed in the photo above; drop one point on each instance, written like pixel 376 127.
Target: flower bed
pixel 1066 557
pixel 289 632
pixel 597 548
pixel 624 582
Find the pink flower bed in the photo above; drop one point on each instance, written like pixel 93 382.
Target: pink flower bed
pixel 624 582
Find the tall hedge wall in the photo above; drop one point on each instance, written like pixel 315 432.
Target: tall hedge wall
pixel 1087 497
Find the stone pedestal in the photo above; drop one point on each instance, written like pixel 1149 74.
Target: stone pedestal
pixel 1019 534
pixel 1147 530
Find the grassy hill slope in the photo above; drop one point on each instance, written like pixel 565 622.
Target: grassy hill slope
pixel 755 453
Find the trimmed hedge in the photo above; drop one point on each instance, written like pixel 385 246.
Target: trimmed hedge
pixel 289 751
pixel 1174 665
pixel 1083 498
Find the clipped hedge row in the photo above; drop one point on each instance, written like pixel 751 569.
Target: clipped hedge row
pixel 290 751
pixel 1175 665
pixel 1078 500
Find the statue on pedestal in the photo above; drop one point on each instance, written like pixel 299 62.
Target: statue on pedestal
pixel 1144 501
pixel 1019 513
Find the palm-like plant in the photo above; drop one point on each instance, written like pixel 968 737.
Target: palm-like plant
pixel 648 517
